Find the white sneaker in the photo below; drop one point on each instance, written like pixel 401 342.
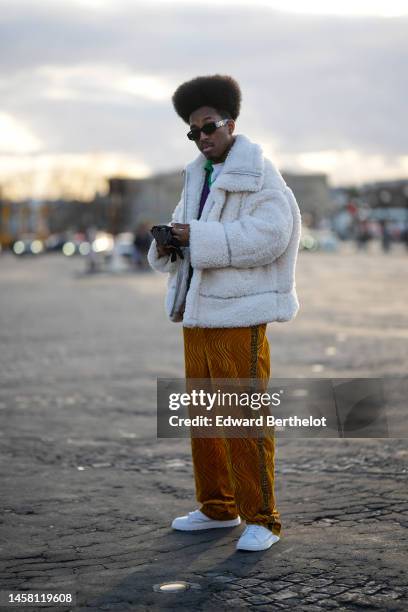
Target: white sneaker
pixel 256 537
pixel 196 520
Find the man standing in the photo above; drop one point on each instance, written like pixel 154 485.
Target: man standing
pixel 239 227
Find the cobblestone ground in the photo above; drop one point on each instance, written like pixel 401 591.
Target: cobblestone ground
pixel 88 492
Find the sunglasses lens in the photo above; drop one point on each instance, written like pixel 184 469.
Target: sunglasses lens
pixel 209 128
pixel 193 134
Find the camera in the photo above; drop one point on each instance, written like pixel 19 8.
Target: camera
pixel 163 236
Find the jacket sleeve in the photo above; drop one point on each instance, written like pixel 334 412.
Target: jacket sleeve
pixel 164 264
pixel 257 238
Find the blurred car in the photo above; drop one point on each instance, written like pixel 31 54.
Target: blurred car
pixel 76 245
pixel 27 245
pixel 102 243
pixel 54 242
pixel 318 240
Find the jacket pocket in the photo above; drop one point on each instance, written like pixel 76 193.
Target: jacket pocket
pixel 238 282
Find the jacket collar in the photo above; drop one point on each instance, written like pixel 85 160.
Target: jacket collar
pixel 243 167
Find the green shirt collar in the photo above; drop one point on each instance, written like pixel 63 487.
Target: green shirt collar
pixel 208 167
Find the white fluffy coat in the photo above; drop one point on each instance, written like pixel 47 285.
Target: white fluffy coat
pixel 243 249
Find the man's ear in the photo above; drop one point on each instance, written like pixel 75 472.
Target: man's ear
pixel 231 126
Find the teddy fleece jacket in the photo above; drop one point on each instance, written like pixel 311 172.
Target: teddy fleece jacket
pixel 243 249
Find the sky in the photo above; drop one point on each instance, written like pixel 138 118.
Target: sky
pixel 86 86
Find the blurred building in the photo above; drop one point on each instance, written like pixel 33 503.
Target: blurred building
pixel 313 195
pixel 386 194
pixel 132 202
pixel 40 218
pixel 20 218
pixel 153 199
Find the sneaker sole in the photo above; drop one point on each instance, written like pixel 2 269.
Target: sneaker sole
pixel 204 527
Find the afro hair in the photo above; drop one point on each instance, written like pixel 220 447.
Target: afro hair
pixel 221 92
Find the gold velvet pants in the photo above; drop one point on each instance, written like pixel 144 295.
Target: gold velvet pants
pixel 233 476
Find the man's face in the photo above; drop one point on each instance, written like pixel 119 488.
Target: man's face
pixel 215 145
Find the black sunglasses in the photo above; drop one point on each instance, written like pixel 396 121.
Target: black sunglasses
pixel 208 128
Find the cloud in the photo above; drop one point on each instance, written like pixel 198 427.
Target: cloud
pixel 93 83
pixel 85 80
pixel 16 137
pixel 65 175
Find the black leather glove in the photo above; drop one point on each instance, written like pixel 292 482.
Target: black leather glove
pixel 163 236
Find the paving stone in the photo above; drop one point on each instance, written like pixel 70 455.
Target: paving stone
pixel 284 595
pixel 258 599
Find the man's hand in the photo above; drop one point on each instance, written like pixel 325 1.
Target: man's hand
pixel 164 250
pixel 182 232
